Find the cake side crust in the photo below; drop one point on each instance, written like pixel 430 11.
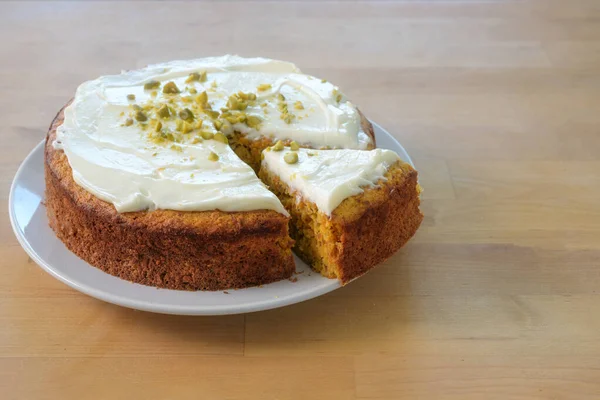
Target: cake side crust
pixel 210 250
pixel 363 230
pixel 388 218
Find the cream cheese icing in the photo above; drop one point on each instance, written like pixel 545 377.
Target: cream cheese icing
pixel 147 162
pixel 327 177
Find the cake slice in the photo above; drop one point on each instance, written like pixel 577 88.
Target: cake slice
pixel 350 209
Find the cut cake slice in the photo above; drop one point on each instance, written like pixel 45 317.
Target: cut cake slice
pixel 350 209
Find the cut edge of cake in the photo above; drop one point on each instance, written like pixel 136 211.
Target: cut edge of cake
pixel 362 231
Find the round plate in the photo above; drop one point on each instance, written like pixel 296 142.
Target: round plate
pixel 29 221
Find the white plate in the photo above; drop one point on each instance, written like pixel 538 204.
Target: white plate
pixel 29 221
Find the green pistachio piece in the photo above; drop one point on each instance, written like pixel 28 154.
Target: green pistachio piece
pixel 253 121
pixel 291 158
pixel 140 116
pixel 213 156
pixel 186 127
pixel 193 77
pixel 207 135
pixel 186 115
pixel 202 98
pixel 170 88
pixel 151 85
pixel 163 111
pixel 219 137
pixel 294 146
pixel 278 146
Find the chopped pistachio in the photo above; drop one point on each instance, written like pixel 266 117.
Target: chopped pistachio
pixel 291 158
pixel 207 135
pixel 213 84
pixel 218 124
pixel 170 88
pixel 323 80
pixel 193 91
pixel 198 124
pixel 128 122
pixel 212 114
pixel 337 95
pixel 192 175
pixel 203 76
pixel 251 96
pixel 298 105
pixel 176 148
pixel 294 146
pixel 213 156
pixel 253 121
pixel 197 140
pixel 278 146
pixel 131 97
pixel 158 126
pixel 186 115
pixel 186 99
pixel 263 105
pixel 232 119
pixel 136 107
pixel 202 98
pixel 140 116
pixel 287 117
pixel 186 127
pixel 282 107
pixel 154 93
pixel 233 102
pixel 263 86
pixel 151 85
pixel 219 137
pixel 154 154
pixel 163 111
pixel 121 113
pixel 280 97
pixel 194 76
pixel 242 95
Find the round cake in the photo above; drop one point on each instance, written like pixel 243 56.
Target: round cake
pixel 150 174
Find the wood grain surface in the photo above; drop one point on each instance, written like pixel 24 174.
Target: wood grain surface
pixel 497 296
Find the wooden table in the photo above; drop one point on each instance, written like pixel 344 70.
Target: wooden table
pixel 497 296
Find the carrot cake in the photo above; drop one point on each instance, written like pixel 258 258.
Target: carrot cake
pixel 350 209
pixel 149 174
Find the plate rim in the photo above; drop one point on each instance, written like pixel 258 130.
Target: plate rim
pixel 162 308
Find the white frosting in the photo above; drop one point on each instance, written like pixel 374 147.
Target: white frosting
pixel 122 165
pixel 327 177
